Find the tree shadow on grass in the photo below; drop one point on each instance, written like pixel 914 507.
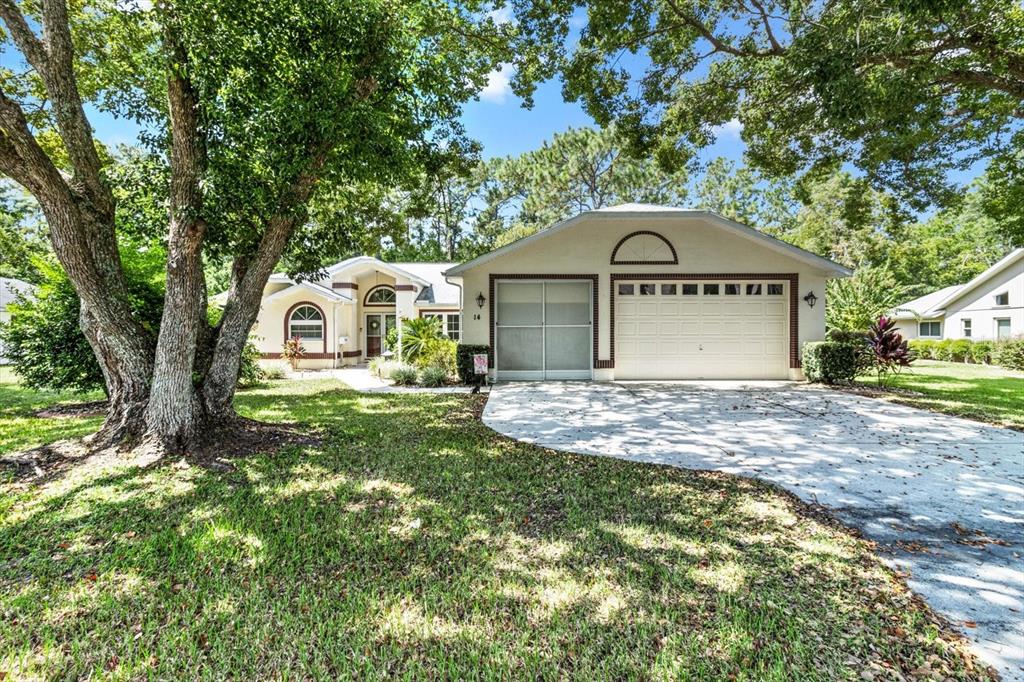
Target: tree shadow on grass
pixel 416 542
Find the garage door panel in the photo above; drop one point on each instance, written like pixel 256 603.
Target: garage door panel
pixel 720 336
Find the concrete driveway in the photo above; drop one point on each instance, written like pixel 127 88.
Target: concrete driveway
pixel 895 472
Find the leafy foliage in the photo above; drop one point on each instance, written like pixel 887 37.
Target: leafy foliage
pixel 464 361
pixel 44 342
pixel 404 375
pixel 433 376
pixel 855 303
pixel 889 352
pixel 906 91
pixel 439 353
pixel 293 351
pixel 829 362
pixel 417 334
pixel 1010 353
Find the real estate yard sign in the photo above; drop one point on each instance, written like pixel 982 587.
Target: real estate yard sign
pixel 480 363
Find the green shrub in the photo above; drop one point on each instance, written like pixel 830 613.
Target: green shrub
pixel 249 372
pixel 383 368
pixel 1010 353
pixel 943 350
pixel 464 361
pixel 404 375
pixel 981 352
pixel 433 376
pixel 959 350
pixel 846 336
pixel 374 366
pixel 273 373
pixel 438 353
pixel 924 348
pixel 830 362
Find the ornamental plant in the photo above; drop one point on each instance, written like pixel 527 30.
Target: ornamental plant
pixel 293 351
pixel 889 351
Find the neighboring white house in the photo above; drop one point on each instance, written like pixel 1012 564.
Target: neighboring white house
pixel 990 306
pixel 9 290
pixel 627 292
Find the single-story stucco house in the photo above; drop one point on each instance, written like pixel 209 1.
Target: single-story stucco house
pixel 627 292
pixel 990 306
pixel 10 289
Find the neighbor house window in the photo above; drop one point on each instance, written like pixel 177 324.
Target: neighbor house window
pixel 965 326
pixel 929 329
pixel 382 295
pixel 306 322
pixel 1003 328
pixel 1003 298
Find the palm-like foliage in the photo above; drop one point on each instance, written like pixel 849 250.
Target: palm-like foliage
pixel 417 333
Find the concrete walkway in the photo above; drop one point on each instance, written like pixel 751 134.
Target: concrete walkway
pixel 927 481
pixel 359 378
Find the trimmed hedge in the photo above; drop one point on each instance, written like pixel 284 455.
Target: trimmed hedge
pixel 464 361
pixel 1010 353
pixel 830 362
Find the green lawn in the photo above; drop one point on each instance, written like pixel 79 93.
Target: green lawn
pixel 418 544
pixel 20 430
pixel 984 392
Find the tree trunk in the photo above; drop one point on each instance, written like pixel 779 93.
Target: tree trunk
pixel 175 412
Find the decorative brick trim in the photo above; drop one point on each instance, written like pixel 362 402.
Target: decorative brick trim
pixel 604 364
pixel 405 287
pixel 372 289
pixel 794 307
pixel 345 285
pixel 593 279
pixel 352 354
pixel 307 356
pixel 675 257
pixel 323 318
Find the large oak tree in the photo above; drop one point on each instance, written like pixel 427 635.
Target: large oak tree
pixel 907 90
pixel 258 106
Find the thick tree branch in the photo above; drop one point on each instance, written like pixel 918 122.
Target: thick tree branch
pixel 24 38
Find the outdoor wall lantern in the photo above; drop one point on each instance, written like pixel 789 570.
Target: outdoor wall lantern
pixel 480 300
pixel 811 298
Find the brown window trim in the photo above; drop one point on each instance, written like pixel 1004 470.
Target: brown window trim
pixel 372 289
pixel 345 285
pixel 405 287
pixel 615 251
pixel 794 307
pixel 323 316
pixel 594 295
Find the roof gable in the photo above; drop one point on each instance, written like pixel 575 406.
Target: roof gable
pixel 666 212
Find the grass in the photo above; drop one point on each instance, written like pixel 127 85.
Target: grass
pixel 418 544
pixel 20 429
pixel 982 392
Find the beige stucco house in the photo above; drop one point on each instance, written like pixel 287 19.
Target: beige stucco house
pixel 990 306
pixel 628 292
pixel 344 317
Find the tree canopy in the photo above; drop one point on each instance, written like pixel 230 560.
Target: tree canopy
pixel 904 90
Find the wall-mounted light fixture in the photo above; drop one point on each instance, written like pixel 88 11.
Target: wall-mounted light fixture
pixel 480 300
pixel 811 298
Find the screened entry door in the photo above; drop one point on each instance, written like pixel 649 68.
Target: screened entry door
pixel 543 330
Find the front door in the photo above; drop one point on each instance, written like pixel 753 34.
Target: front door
pixel 377 327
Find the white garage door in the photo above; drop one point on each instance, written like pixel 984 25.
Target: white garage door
pixel 543 329
pixel 701 330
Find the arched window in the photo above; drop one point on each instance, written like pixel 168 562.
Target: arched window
pixel 306 322
pixel 380 295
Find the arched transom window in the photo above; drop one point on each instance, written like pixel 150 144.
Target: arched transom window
pixel 382 295
pixel 306 322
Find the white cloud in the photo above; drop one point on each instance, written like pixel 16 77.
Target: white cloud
pixel 497 88
pixel 731 128
pixel 501 15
